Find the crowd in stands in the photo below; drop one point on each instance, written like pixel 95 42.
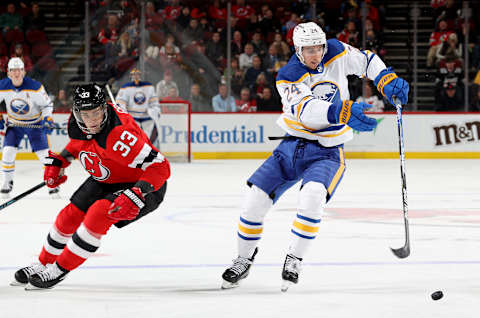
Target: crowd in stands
pixel 22 35
pixel 446 55
pixel 186 58
pixel 185 53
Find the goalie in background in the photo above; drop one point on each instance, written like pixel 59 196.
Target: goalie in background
pixel 140 100
pixel 27 103
pixel 318 118
pixel 128 180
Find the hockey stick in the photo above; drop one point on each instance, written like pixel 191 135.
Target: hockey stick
pixel 403 251
pixel 22 195
pixel 34 126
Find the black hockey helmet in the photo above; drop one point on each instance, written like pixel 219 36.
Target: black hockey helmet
pixel 88 97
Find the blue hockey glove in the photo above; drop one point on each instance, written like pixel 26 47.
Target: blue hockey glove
pixel 390 85
pixel 351 114
pixel 2 124
pixel 48 122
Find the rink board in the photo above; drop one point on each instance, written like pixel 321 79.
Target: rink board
pixel 245 136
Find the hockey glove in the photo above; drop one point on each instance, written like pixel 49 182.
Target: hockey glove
pixel 154 113
pixel 127 205
pixel 3 124
pixel 351 114
pixel 54 166
pixel 48 122
pixel 390 85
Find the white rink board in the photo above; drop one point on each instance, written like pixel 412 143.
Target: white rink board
pixel 248 133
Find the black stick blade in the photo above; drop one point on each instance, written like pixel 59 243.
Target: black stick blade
pixel 401 252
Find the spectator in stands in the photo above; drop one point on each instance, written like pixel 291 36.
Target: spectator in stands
pixel 61 102
pixel 164 85
pixel 193 33
pixel 172 95
pixel 449 13
pixel 242 12
pixel 237 77
pixel 198 101
pixel 294 18
pixel 35 20
pixel 109 34
pixel 436 39
pixel 217 14
pixel 222 102
pixel 252 73
pixel 27 61
pixel 259 46
pixel 246 104
pixel 268 102
pixel 269 24
pixel 374 44
pixel 450 47
pixel 172 10
pixel 283 49
pixel 272 61
pixel 237 44
pixel 153 19
pixel 125 47
pixel 183 20
pixel 170 57
pixel 373 15
pixel 451 97
pixel 11 20
pixel 246 58
pixel 450 68
pixel 349 34
pixel 260 83
pixel 215 51
pixel 370 98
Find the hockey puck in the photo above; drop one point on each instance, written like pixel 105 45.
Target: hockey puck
pixel 437 295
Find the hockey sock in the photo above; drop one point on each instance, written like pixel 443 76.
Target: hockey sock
pixel 86 240
pixel 304 230
pixel 8 163
pixel 66 223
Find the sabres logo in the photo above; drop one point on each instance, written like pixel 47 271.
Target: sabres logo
pixel 19 106
pixel 139 98
pixel 92 163
pixel 326 91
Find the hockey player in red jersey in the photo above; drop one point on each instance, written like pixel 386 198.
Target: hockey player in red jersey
pixel 127 181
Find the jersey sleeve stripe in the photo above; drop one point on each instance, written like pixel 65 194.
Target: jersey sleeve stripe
pixel 146 157
pixel 301 104
pixel 335 57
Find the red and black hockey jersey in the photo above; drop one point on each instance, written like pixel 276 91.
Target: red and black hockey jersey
pixel 120 153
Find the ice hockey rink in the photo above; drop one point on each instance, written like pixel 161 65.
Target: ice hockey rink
pixel 169 264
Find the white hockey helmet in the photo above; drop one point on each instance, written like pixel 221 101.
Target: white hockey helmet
pixel 308 34
pixel 15 62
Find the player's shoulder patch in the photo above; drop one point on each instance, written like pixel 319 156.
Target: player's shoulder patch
pixel 293 72
pixel 335 49
pixel 31 84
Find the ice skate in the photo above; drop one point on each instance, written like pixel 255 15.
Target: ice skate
pixel 6 189
pixel 23 274
pixel 48 278
pixel 291 269
pixel 54 193
pixel 238 271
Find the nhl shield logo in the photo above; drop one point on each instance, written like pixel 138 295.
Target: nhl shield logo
pixel 93 165
pixel 326 91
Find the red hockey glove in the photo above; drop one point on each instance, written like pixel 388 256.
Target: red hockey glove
pixel 53 174
pixel 127 205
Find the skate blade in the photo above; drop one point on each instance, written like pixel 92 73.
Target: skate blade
pixel 228 285
pixel 16 283
pixel 29 287
pixel 285 285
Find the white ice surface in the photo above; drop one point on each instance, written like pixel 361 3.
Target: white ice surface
pixel 170 263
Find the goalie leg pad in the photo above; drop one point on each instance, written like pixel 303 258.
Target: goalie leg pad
pixel 311 202
pixel 250 226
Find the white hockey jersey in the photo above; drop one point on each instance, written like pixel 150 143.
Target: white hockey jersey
pixel 137 98
pixel 26 104
pixel 307 94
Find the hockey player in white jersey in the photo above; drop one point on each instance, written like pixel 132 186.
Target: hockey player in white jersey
pixel 140 100
pixel 27 104
pixel 318 118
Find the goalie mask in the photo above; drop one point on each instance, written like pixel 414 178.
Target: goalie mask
pixel 308 34
pixel 135 75
pixel 86 98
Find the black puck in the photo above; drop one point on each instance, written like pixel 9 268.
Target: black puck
pixel 437 295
